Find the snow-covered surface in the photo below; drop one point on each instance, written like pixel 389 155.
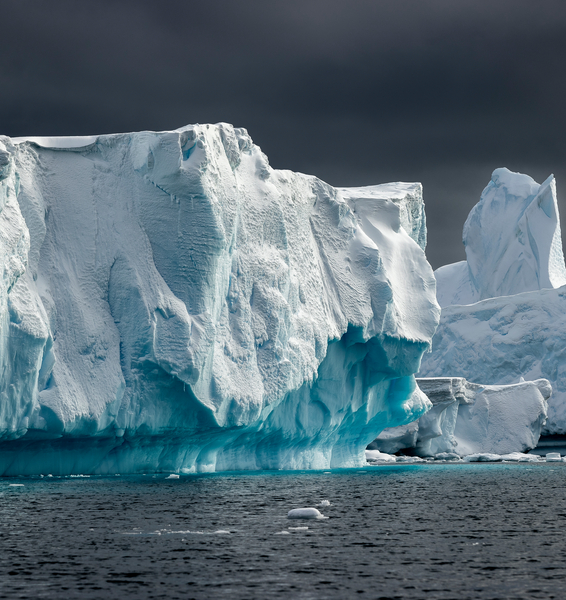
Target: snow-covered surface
pixel 513 243
pixel 169 301
pixel 469 419
pixel 501 340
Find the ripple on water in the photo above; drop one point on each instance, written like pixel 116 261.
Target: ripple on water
pixel 409 531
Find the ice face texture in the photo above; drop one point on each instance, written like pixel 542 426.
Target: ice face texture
pixel 467 418
pixel 171 302
pixel 513 243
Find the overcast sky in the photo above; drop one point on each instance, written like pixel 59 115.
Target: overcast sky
pixel 356 92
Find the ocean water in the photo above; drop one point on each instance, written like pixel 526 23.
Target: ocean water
pixel 409 531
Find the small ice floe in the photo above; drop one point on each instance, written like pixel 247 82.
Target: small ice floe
pixel 283 533
pixel 305 513
pixel 173 476
pixel 447 456
pixel 77 475
pixel 553 457
pixel 16 485
pixel 520 457
pixel 409 459
pixel 324 503
pixel 483 457
pixel 375 456
pixel 297 528
pixel 219 531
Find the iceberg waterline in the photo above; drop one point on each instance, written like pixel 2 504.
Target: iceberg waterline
pixel 171 302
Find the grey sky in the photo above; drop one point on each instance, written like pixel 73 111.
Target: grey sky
pixel 355 92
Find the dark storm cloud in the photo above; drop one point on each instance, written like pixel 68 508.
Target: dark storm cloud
pixel 355 92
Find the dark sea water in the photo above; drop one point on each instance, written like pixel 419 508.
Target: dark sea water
pixel 408 531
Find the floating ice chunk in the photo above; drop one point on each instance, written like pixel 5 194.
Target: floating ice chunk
pixel 324 503
pixel 483 457
pixel 283 533
pixel 173 476
pixel 222 531
pixel 305 513
pixel 297 528
pixel 531 458
pixel 447 456
pixel 16 485
pixel 408 459
pixel 373 456
pixel 553 457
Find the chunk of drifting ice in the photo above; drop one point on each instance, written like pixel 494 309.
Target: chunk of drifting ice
pixel 447 456
pixel 324 503
pixel 173 476
pixel 377 456
pixel 305 513
pixel 408 459
pixel 553 457
pixel 483 457
pixel 514 457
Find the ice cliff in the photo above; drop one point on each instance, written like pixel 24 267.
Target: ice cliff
pixel 504 308
pixel 171 302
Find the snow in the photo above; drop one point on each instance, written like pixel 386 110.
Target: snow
pixel 170 302
pixel 305 513
pixel 513 243
pixel 468 419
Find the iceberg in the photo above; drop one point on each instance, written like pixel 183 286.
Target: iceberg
pixel 470 419
pixel 513 243
pixel 503 309
pixel 169 302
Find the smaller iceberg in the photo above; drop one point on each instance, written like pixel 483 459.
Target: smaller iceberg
pixel 470 419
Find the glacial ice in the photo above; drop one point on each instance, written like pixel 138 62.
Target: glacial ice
pixel 469 419
pixel 170 302
pixel 503 316
pixel 513 243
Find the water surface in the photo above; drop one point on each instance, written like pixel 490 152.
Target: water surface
pixel 401 531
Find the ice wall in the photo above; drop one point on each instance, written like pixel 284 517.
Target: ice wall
pixel 467 418
pixel 171 302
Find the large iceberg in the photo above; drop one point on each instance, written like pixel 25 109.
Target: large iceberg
pixel 170 302
pixel 467 418
pixel 504 308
